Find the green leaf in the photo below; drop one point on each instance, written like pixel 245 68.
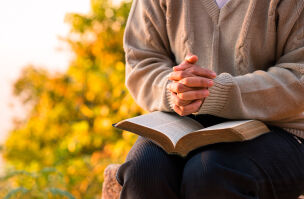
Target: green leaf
pixel 16 191
pixel 16 173
pixel 47 170
pixel 60 192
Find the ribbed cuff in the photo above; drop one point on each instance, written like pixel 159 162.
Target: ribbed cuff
pixel 219 94
pixel 169 99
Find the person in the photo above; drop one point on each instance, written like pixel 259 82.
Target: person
pixel 244 60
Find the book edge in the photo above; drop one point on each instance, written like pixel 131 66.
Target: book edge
pixel 233 130
pixel 147 132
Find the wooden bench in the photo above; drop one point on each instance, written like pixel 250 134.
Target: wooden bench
pixel 111 189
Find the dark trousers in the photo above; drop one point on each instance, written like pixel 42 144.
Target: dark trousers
pixel 268 167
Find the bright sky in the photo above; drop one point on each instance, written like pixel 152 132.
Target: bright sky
pixel 29 33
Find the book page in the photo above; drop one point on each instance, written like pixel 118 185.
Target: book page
pixel 226 125
pixel 170 124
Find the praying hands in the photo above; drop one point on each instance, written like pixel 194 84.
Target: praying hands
pixel 189 86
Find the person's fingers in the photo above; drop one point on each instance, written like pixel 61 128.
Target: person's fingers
pixel 203 72
pixel 187 63
pixel 178 87
pixel 194 95
pixel 192 59
pixel 179 102
pixel 178 75
pixel 191 72
pixel 188 109
pixel 182 66
pixel 197 82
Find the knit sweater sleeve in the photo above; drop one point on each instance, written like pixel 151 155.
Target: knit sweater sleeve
pixel 273 95
pixel 148 56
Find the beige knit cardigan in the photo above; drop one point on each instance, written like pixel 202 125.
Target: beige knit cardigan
pixel 255 46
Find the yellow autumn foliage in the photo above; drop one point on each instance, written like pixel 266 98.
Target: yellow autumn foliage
pixel 67 138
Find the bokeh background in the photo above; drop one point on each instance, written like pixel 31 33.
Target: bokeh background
pixel 62 87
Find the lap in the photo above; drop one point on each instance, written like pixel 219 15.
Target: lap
pixel 277 151
pixel 275 159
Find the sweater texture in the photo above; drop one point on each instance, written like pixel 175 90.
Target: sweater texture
pixel 256 48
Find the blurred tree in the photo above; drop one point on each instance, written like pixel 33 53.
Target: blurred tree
pixel 68 126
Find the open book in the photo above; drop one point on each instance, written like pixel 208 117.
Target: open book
pixel 180 135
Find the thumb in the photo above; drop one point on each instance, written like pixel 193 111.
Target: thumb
pixel 191 59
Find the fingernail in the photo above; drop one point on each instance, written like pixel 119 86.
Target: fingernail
pixel 210 83
pixel 175 68
pixel 213 74
pixel 207 93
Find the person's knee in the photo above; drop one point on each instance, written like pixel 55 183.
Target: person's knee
pixel 200 176
pixel 213 175
pixel 147 166
pixel 138 172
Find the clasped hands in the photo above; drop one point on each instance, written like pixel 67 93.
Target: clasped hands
pixel 189 86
